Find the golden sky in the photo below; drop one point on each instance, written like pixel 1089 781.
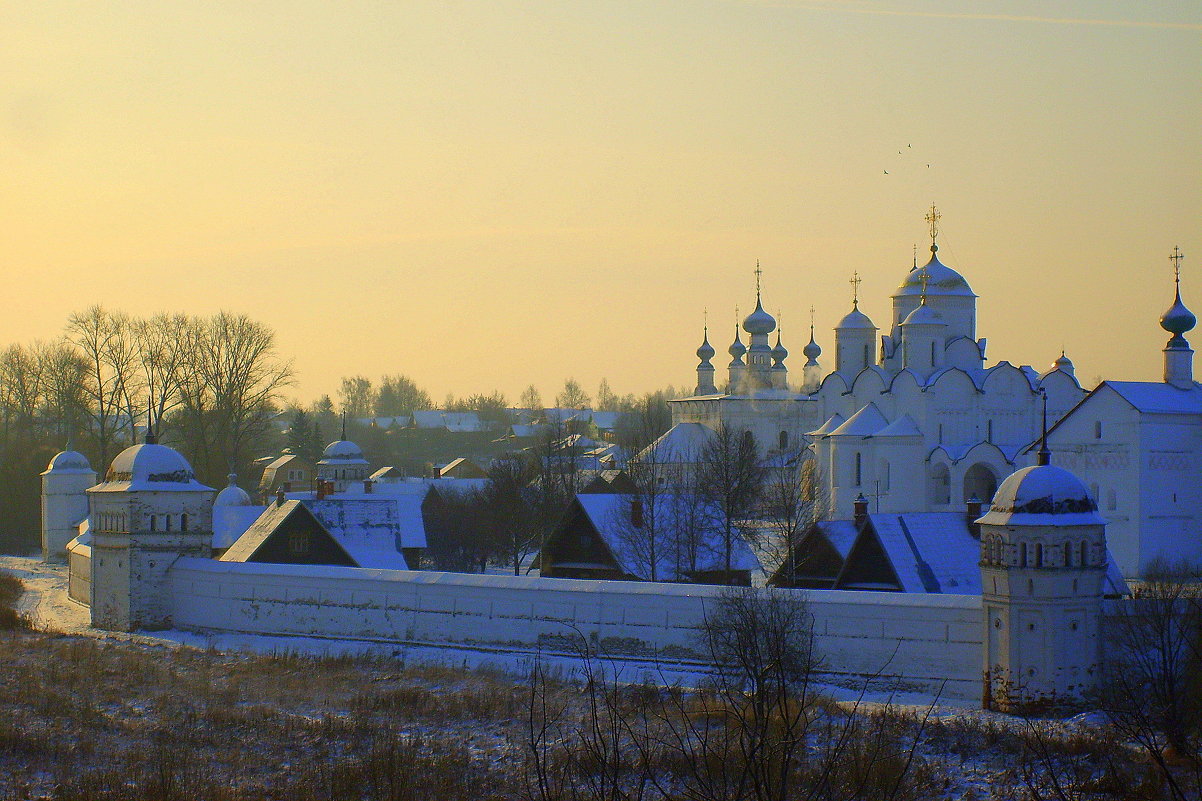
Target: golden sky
pixel 488 194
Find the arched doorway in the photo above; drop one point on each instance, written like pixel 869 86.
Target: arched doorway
pixel 939 487
pixel 979 483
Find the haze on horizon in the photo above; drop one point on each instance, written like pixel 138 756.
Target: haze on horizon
pixel 486 195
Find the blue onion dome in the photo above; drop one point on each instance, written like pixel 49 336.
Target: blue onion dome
pixel 940 280
pixel 759 321
pixel 232 494
pixel 737 349
pixel 779 352
pixel 1064 364
pixel 706 351
pixel 812 350
pixel 1178 319
pixel 856 319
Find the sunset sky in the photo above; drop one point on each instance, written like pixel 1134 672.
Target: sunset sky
pixel 488 194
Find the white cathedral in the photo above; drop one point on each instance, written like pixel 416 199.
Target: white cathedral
pixel 912 419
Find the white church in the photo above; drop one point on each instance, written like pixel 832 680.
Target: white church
pixel 912 419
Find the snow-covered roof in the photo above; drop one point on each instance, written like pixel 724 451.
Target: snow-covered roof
pixel 940 280
pixel 610 514
pixel 231 522
pixel 232 494
pixel 372 532
pixel 841 534
pixel 931 551
pixel 150 467
pixel 526 429
pixel 1042 495
pixel 451 421
pixel 606 421
pixel 855 319
pixel 1155 397
pixel 903 426
pixel 864 423
pixel 683 443
pixel 68 462
pixel 342 452
pixel 833 422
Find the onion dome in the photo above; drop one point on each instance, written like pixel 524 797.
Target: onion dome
pixel 706 351
pixel 940 280
pixel 150 466
pixel 856 319
pixel 759 321
pixel 779 352
pixel 1178 319
pixel 1040 496
pixel 1064 364
pixel 812 350
pixel 69 462
pixel 737 349
pixel 343 451
pixel 232 494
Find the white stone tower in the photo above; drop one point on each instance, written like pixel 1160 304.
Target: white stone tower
pixel 855 339
pixel 149 511
pixel 1043 571
pixel 342 464
pixel 64 501
pixel 705 368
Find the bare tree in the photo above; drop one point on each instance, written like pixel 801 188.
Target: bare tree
pixel 106 342
pixel 729 481
pixel 531 399
pixel 356 397
pixel 511 517
pixel 573 396
pixel 788 508
pixel 162 356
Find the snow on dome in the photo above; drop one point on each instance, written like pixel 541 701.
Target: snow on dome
pixel 780 352
pixel 759 321
pixel 232 494
pixel 151 466
pixel 69 462
pixel 737 348
pixel 923 315
pixel 342 450
pixel 1043 495
pixel 940 280
pixel 856 319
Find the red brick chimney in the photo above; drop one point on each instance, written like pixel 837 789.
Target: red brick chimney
pixel 860 510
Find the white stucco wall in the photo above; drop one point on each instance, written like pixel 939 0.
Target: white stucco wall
pixel 918 639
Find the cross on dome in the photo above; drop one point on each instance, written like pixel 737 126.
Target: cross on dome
pixel 855 288
pixel 758 273
pixel 933 217
pixel 1175 257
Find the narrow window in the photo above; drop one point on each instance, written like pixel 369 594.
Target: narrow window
pixel 932 353
pixel 867 354
pixel 1112 500
pixel 1039 555
pixel 1084 548
pixel 154 523
pixel 167 524
pixel 784 440
pixel 989 431
pixel 858 472
pixel 1068 554
pixel 183 522
pixel 941 433
pixel 1022 555
pixel 1097 429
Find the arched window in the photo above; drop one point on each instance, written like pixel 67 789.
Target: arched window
pixel 183 522
pixel 1084 548
pixel 167 523
pixel 1022 555
pixel 1039 554
pixel 154 522
pixel 784 440
pixel 1068 554
pixel 859 472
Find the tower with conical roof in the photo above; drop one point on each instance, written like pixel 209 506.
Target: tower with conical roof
pixel 1177 320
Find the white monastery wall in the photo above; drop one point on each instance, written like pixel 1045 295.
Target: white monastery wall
pixel 919 640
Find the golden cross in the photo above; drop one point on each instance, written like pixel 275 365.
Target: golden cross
pixel 1176 258
pixel 933 217
pixel 925 278
pixel 758 273
pixel 855 288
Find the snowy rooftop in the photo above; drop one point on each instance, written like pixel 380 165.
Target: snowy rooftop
pixel 150 467
pixel 683 443
pixel 1155 397
pixel 610 515
pixel 931 551
pixel 69 462
pixel 1043 495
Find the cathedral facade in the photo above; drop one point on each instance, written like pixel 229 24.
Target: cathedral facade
pixel 909 418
